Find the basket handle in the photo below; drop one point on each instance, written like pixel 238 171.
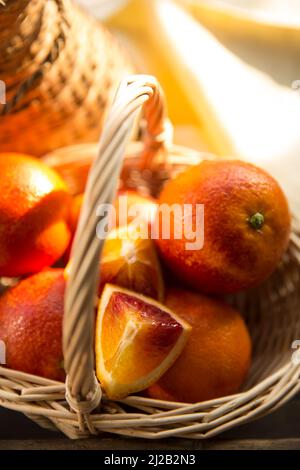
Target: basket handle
pixel 82 389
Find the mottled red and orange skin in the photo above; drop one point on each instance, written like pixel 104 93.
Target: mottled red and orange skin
pixel 34 208
pixel 235 256
pixel 217 356
pixel 31 316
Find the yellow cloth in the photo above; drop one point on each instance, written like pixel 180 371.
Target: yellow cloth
pixel 235 104
pixel 138 25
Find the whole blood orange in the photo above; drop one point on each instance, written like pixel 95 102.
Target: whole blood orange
pixel 216 358
pixel 137 339
pixel 246 226
pixel 31 324
pixel 34 207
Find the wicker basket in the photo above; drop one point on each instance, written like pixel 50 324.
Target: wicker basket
pixel 78 407
pixel 61 69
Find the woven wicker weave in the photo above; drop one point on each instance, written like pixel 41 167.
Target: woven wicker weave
pixel 272 311
pixel 60 68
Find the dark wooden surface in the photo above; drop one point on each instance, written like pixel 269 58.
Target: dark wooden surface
pixel 279 430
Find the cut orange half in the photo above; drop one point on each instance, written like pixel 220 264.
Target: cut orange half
pixel 137 340
pixel 131 261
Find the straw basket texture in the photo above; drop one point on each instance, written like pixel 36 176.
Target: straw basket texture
pixel 61 69
pixel 78 408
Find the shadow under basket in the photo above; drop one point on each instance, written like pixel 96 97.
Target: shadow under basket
pixel 78 408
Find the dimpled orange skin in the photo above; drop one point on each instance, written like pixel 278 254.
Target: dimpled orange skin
pixel 235 256
pixel 31 316
pixel 217 356
pixel 34 208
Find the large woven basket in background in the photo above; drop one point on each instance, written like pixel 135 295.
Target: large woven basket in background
pixel 61 69
pixel 272 311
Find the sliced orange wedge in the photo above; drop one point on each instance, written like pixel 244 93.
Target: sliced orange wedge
pixel 131 261
pixel 137 340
